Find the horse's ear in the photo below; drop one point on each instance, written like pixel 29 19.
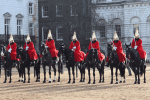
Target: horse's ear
pixel 130 44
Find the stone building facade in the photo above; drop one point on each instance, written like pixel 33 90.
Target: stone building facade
pixel 19 17
pixel 123 16
pixel 63 17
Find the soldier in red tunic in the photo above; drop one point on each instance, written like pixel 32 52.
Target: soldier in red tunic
pixel 117 45
pixel 75 47
pixel 95 44
pixel 50 44
pixel 11 48
pixel 29 47
pixel 137 44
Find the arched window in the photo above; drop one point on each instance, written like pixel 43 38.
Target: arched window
pixel 117 24
pixel 135 24
pixel 59 33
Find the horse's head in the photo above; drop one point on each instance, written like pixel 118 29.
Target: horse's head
pixel 109 49
pixel 128 49
pixel 2 49
pixel 43 50
pixel 61 48
pixel 93 54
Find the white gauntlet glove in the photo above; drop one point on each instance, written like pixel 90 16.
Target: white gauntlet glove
pixel 27 48
pixel 135 47
pixel 46 46
pixel 74 47
pixel 115 48
pixel 9 50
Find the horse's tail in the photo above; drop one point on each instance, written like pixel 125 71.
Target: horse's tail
pixel 146 57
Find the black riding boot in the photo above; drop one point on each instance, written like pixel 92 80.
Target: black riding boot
pixel 108 63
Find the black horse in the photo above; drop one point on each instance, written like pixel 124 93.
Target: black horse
pixel 137 65
pixel 26 62
pixel 47 61
pixel 70 62
pixel 114 62
pixel 92 61
pixel 8 63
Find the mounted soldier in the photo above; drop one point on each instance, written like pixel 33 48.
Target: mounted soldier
pixel 75 47
pixel 29 47
pixel 50 44
pixel 95 44
pixel 117 45
pixel 137 44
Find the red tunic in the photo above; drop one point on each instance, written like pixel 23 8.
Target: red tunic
pixel 13 54
pixel 78 54
pixel 142 53
pixel 31 51
pixel 52 48
pixel 96 46
pixel 120 53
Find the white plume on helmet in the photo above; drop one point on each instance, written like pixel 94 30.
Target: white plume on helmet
pixel 74 36
pixel 93 36
pixel 49 35
pixel 28 37
pixel 137 34
pixel 116 36
pixel 11 38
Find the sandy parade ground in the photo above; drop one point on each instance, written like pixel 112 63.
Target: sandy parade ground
pixel 78 91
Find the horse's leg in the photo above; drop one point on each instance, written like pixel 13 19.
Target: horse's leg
pixel 144 74
pixel 28 74
pixel 24 71
pixel 94 75
pixel 44 73
pixel 83 74
pixel 73 74
pixel 54 62
pixel 5 74
pixel 135 76
pixel 89 74
pixel 49 72
pixel 80 73
pixel 59 70
pixel 68 67
pixel 10 68
pixel 116 75
pixel 100 75
pixel 103 69
pixel 138 76
pixel 111 74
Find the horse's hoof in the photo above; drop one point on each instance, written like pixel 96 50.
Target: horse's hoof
pixel 24 81
pixel 28 81
pixel 83 81
pixel 135 82
pixel 73 82
pixel 144 81
pixel 120 82
pixel 80 81
pixel 19 81
pixel 94 82
pixel 99 81
pixel 50 82
pixel 58 80
pixel 102 81
pixel 111 82
pixel 54 80
pixel 88 82
pixel 9 81
pixel 124 81
pixel 138 82
pixel 36 80
pixel 44 81
pixel 68 81
pixel 4 82
pixel 116 83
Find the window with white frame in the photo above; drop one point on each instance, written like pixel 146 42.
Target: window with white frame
pixel 59 10
pixel 118 30
pixel 45 11
pixel 45 33
pixel 31 29
pixel 7 26
pixel 19 27
pixel 74 10
pixel 59 33
pixel 30 8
